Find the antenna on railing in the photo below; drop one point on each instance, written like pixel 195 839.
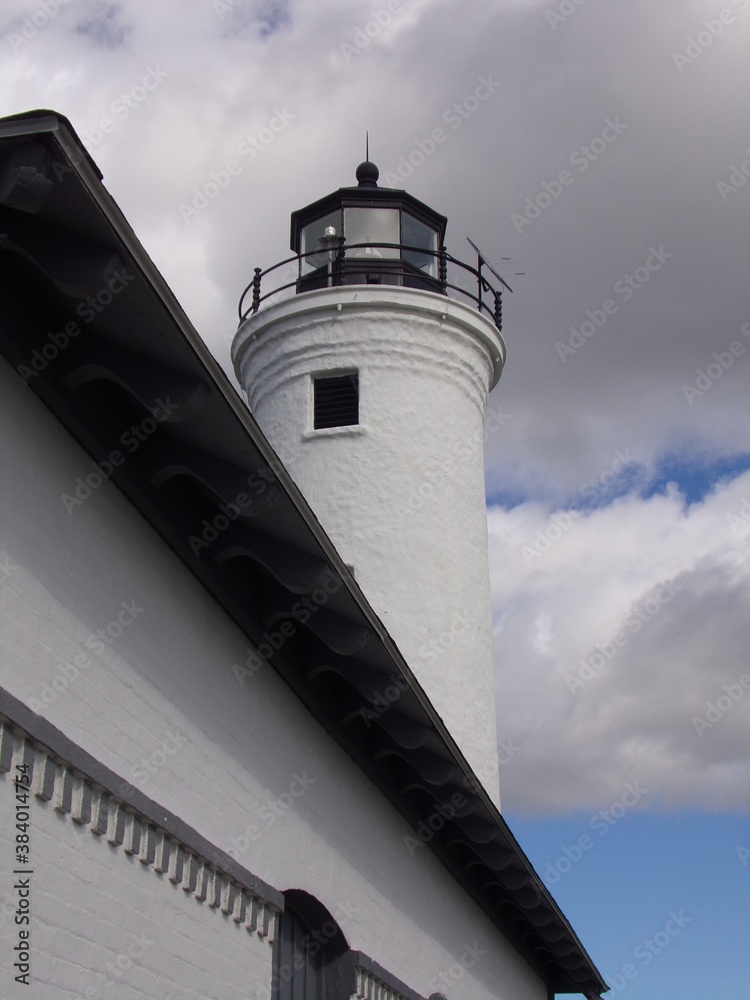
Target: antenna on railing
pixel 483 260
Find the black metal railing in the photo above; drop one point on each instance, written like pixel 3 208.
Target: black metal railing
pixel 343 268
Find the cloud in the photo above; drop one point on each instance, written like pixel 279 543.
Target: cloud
pixel 616 629
pixel 103 26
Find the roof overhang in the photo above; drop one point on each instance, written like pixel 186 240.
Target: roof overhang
pixel 72 267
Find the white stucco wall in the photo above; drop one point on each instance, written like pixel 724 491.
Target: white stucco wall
pixel 161 706
pixel 401 493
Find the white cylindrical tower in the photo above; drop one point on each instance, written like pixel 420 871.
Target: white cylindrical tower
pixel 371 384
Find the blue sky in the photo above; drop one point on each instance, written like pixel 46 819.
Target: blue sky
pixel 618 480
pixel 625 886
pixel 693 476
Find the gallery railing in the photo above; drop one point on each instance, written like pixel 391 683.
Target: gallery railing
pixel 363 263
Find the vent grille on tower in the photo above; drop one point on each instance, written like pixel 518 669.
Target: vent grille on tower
pixel 336 401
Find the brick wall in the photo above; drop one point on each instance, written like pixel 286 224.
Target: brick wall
pixel 110 915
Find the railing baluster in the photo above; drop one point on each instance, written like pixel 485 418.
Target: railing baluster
pixel 256 289
pixel 442 268
pixel 337 275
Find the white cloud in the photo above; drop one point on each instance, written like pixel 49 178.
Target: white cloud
pixel 620 627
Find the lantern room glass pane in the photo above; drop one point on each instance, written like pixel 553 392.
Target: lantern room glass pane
pixel 376 225
pixel 310 240
pixel 416 234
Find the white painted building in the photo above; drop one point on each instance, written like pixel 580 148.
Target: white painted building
pixel 246 777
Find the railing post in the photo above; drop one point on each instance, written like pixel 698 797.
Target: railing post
pixel 256 289
pixel 442 269
pixel 499 310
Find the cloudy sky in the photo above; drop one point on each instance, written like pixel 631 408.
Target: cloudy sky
pixel 605 148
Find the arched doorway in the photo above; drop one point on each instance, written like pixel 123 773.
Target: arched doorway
pixel 308 951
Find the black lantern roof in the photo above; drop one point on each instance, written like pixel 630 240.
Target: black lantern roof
pixel 366 194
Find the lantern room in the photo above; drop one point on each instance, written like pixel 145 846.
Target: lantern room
pixel 368 235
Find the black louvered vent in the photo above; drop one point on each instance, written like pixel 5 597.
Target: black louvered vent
pixel 336 400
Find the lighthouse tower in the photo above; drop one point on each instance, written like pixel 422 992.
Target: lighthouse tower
pixel 371 383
